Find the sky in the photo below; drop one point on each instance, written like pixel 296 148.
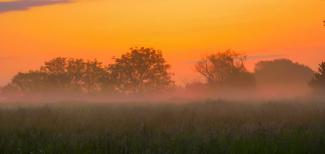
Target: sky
pixel 33 31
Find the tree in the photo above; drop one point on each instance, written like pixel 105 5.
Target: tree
pixel 225 69
pixel 282 78
pixel 61 75
pixel 56 69
pixel 30 82
pixel 318 82
pixel 94 77
pixel 55 66
pixel 139 71
pixel 75 71
pixel 282 72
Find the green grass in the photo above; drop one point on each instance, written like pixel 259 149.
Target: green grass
pixel 193 128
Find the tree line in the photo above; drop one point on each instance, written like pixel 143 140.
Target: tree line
pixel 139 71
pixel 145 70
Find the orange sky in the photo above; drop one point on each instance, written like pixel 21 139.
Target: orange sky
pixel 185 30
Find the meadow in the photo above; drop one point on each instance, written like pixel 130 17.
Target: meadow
pixel 163 128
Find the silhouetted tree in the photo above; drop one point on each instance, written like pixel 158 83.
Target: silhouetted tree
pixel 56 69
pixel 61 75
pixel 282 72
pixel 225 69
pixel 139 71
pixel 75 70
pixel 55 66
pixel 318 82
pixel 30 82
pixel 282 78
pixel 94 77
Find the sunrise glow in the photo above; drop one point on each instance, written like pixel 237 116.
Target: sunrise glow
pixel 185 30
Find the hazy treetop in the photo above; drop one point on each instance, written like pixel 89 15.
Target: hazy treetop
pixel 282 71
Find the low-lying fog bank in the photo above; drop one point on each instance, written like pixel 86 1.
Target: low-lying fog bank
pixel 176 96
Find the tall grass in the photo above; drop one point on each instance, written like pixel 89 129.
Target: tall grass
pixel 144 128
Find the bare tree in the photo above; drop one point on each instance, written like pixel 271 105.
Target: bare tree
pixel 318 82
pixel 225 69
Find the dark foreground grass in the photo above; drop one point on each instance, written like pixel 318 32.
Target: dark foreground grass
pixel 198 128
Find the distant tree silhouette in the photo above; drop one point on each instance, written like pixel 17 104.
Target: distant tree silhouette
pixel 56 69
pixel 60 75
pixel 75 70
pixel 30 82
pixel 196 88
pixel 282 78
pixel 225 69
pixel 55 66
pixel 282 72
pixel 139 71
pixel 318 82
pixel 94 77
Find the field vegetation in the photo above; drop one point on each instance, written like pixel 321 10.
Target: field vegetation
pixel 196 127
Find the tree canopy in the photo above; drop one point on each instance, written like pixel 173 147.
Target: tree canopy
pixel 282 72
pixel 61 75
pixel 141 70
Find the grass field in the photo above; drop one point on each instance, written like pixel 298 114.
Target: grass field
pixel 163 128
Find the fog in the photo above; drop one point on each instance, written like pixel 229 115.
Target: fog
pixel 179 95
